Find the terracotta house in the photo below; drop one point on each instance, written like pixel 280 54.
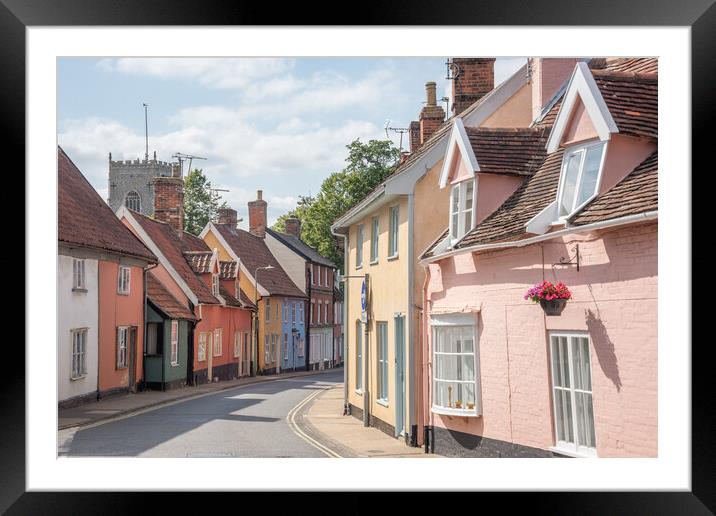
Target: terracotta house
pixel 279 338
pixel 501 377
pixel 193 277
pixel 101 273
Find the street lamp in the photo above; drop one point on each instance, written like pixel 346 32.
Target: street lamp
pixel 254 351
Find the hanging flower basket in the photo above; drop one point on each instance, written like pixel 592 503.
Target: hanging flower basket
pixel 552 298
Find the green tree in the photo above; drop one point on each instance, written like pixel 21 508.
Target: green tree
pixel 200 204
pixel 368 164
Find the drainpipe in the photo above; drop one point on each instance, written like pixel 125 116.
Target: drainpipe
pixel 309 291
pixel 426 391
pixel 346 406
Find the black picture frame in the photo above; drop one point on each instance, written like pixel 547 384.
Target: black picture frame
pixel 700 15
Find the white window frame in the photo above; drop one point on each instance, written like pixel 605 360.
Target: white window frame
pixel 267 348
pixel 453 321
pixel 360 238
pixel 300 347
pixel 293 311
pixel 300 310
pixel 569 448
pixel 218 338
pixel 174 343
pixel 124 277
pixel 393 233
pixel 382 375
pixel 215 284
pixel 237 344
pixel 325 312
pixel 122 352
pixel 267 310
pixel 374 240
pixel 575 149
pixel 78 275
pixel 201 351
pixel 285 346
pixel 78 348
pixel 461 189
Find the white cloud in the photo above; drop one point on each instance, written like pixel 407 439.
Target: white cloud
pixel 219 73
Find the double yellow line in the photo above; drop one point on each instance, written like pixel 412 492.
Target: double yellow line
pixel 291 418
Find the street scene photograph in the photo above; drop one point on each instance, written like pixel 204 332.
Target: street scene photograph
pixel 358 257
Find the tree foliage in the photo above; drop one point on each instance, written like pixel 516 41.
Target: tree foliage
pixel 368 164
pixel 200 204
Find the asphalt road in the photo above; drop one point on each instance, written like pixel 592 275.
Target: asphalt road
pixel 248 421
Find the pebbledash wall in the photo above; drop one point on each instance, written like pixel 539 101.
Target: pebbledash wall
pixel 75 310
pixel 614 301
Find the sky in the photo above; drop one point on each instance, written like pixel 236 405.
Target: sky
pixel 280 125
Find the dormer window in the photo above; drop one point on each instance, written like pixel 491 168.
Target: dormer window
pixel 215 284
pixel 581 169
pixel 462 209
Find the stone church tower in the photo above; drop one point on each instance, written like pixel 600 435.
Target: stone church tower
pixel 134 183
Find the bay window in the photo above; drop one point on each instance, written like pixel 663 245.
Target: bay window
pixel 462 209
pixel 579 180
pixel 455 386
pixel 572 393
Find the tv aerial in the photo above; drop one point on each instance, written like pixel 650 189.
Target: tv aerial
pixel 400 130
pixel 181 157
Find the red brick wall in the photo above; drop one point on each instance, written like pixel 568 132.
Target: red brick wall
pixel 169 201
pixel 475 78
pixel 257 216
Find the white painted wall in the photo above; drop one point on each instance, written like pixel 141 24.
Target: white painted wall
pixel 321 345
pixel 293 264
pixel 76 310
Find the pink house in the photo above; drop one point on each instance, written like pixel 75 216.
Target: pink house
pixel 574 199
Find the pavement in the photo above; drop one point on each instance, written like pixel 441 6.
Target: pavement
pixel 126 404
pixel 323 420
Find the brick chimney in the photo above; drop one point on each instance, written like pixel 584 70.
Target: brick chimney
pixel 473 78
pixel 293 226
pixel 227 216
pixel 546 76
pixel 432 116
pixel 414 132
pixel 169 202
pixel 257 215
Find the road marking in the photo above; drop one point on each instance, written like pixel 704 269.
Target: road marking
pixel 291 418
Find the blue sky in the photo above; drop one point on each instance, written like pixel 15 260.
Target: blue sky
pixel 276 124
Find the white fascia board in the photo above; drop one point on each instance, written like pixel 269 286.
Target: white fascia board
pixel 357 212
pixel 404 183
pixel 497 97
pixel 458 137
pixel 124 212
pixel 582 86
pixel 210 228
pixel 540 223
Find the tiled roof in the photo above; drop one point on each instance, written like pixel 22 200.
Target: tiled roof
pixel 229 298
pixel 301 247
pixel 85 220
pixel 632 100
pixel 227 270
pixel 624 64
pixel 173 248
pixel 253 253
pixel 430 251
pixel 509 151
pixel 200 261
pixel 165 301
pixel 508 221
pixel 637 193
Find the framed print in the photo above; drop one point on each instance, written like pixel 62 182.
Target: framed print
pixel 433 242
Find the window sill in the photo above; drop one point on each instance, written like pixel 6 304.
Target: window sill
pixel 393 257
pixel 78 378
pixel 80 290
pixel 572 453
pixel 384 403
pixel 455 412
pixel 122 293
pixel 175 364
pixel 358 267
pixel 375 262
pixel 359 392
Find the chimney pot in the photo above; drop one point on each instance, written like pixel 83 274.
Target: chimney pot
pixel 432 116
pixel 431 94
pixel 259 194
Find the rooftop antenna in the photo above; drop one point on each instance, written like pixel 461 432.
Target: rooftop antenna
pixel 400 130
pixel 181 157
pixel 146 133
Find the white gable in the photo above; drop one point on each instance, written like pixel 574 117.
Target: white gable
pixel 582 87
pixel 458 142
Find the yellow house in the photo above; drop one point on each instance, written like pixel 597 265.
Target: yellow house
pixel 279 330
pixel 385 234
